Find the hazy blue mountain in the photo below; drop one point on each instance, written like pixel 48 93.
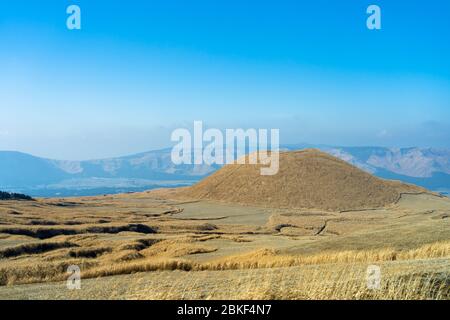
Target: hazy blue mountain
pixel 153 165
pixel 19 172
pixel 36 176
pixel 22 170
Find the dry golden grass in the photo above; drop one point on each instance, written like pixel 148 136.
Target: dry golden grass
pixel 267 258
pixel 245 253
pixel 346 281
pixel 176 248
pixel 39 272
pixel 263 258
pixel 399 280
pixel 34 248
pixel 342 281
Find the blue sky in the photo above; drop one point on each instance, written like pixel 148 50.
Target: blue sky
pixel 138 69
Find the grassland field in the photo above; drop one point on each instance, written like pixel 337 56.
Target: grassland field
pixel 142 246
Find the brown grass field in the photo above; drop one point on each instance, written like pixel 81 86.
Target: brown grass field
pixel 310 240
pixel 138 246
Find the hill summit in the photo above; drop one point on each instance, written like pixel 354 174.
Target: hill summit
pixel 306 179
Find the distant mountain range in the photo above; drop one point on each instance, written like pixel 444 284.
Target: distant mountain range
pixel 426 167
pixel 20 172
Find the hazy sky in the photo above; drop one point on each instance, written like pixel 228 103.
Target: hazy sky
pixel 139 69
